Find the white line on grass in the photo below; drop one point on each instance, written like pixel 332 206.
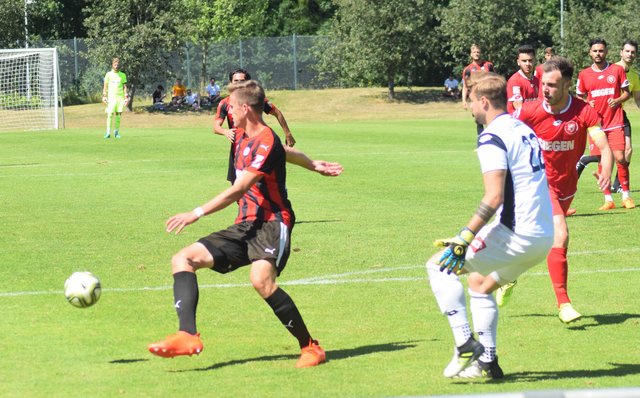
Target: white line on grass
pixel 335 279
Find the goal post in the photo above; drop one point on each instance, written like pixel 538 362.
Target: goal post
pixel 30 89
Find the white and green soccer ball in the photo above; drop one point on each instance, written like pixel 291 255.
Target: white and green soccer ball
pixel 82 289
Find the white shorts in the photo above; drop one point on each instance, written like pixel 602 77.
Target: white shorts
pixel 504 255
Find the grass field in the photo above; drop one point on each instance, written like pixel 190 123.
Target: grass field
pixel 73 201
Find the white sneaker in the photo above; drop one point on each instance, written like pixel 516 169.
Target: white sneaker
pixel 463 356
pixel 567 314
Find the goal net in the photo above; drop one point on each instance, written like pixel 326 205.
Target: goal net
pixel 29 89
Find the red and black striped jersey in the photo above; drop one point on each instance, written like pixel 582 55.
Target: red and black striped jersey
pixel 267 199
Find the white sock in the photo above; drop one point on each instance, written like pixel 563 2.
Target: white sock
pixel 484 312
pixel 608 198
pixel 625 195
pixel 449 294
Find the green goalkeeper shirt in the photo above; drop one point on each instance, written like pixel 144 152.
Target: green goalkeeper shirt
pixel 115 84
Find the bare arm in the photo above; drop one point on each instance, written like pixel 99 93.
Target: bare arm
pixel 104 92
pixel 218 129
pixel 614 102
pixel 329 169
pixel 289 140
pixel 492 199
pixel 230 195
pixel 606 160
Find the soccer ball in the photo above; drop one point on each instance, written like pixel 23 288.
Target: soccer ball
pixel 82 289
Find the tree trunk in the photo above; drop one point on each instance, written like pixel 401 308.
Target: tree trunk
pixel 392 93
pixel 131 92
pixel 204 79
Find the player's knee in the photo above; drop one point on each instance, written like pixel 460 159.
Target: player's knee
pixel 263 286
pixel 180 262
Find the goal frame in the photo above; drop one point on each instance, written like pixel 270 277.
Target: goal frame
pixel 58 110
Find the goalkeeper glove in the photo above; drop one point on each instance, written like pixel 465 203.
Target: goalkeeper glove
pixel 453 257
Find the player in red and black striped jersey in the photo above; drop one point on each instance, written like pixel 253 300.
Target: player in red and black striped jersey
pixel 260 236
pixel 224 112
pixel 477 65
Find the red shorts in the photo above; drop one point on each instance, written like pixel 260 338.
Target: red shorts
pixel 615 138
pixel 559 206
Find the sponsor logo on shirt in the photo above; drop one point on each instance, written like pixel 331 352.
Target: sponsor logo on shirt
pixel 556 146
pixel 602 92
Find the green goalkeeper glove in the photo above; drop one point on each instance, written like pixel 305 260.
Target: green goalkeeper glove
pixel 453 257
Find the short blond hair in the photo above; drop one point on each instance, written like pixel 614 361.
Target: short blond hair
pixel 490 85
pixel 249 92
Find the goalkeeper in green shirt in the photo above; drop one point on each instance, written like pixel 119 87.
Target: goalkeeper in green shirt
pixel 115 96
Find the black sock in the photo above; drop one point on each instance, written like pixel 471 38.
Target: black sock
pixel 584 161
pixel 286 310
pixel 185 295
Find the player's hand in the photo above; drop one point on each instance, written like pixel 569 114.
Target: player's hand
pixel 127 99
pixel 464 105
pixel 603 180
pixel 453 257
pixel 592 103
pixel 104 100
pixel 179 221
pixel 230 134
pixel 289 140
pixel 328 169
pixel 612 103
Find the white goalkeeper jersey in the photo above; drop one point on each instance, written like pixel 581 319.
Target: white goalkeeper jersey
pixel 509 144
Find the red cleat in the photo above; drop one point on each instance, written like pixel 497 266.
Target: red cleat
pixel 181 343
pixel 312 355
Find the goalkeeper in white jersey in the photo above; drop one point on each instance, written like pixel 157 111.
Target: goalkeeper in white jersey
pixel 114 96
pixel 518 238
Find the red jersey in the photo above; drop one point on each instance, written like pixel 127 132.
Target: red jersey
pixel 599 86
pixel 267 199
pixel 484 66
pixel 562 137
pixel 521 88
pixel 224 111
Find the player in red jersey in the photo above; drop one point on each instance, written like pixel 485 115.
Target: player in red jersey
pixel 260 236
pixel 523 86
pixel 477 65
pixel 562 123
pixel 549 52
pixel 605 87
pixel 224 112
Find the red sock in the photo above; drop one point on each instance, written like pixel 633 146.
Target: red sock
pixel 623 176
pixel 558 267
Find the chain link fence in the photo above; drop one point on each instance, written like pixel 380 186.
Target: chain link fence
pixel 277 62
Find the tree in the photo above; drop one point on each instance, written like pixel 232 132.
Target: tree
pixel 499 27
pixel 378 40
pixel 221 20
pixel 142 33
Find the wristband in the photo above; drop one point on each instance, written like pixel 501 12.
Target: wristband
pixel 198 212
pixel 466 235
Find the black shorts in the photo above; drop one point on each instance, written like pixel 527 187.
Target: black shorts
pixel 627 125
pixel 242 244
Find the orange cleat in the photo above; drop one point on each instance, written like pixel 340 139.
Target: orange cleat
pixel 607 206
pixel 181 343
pixel 570 212
pixel 628 203
pixel 312 355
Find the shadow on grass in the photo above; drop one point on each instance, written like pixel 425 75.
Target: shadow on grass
pixel 619 369
pixel 317 221
pixel 423 96
pixel 332 355
pixel 125 361
pixel 602 320
pixel 590 321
